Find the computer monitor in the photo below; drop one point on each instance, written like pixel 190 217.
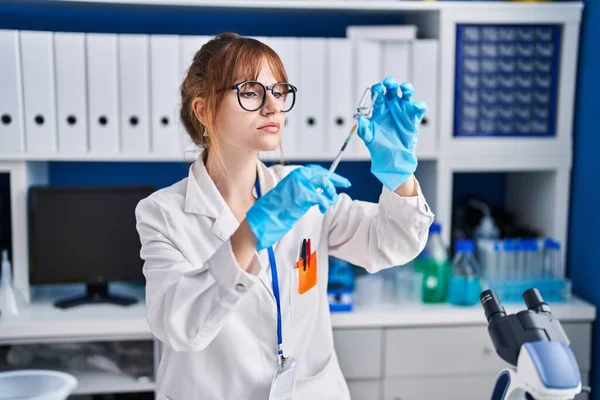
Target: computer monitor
pixel 85 234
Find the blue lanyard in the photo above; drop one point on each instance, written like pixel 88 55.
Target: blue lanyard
pixel 275 284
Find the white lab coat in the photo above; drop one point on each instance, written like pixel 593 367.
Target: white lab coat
pixel 217 323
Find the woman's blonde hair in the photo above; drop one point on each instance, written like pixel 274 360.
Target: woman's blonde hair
pixel 220 63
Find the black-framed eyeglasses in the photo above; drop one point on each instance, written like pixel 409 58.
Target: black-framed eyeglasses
pixel 252 95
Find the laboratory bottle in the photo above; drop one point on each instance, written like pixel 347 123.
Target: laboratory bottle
pixel 486 230
pixel 465 285
pixel 8 302
pixel 434 266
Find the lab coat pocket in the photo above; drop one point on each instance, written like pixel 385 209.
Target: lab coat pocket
pixel 304 291
pixel 324 385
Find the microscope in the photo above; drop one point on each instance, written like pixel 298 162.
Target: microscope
pixel 535 344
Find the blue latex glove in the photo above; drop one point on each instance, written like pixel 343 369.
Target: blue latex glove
pixel 276 211
pixel 391 132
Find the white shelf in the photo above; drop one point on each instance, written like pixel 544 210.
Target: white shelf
pixel 418 314
pixel 96 382
pixel 497 6
pixel 515 160
pixel 93 382
pixel 348 156
pixel 40 321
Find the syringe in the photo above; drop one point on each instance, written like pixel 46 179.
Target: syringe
pixel 365 106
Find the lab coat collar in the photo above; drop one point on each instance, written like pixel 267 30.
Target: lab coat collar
pixel 202 196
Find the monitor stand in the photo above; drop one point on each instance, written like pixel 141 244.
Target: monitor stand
pixel 96 293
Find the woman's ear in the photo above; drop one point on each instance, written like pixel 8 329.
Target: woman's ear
pixel 199 107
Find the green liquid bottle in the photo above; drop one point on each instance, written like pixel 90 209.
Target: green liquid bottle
pixel 435 267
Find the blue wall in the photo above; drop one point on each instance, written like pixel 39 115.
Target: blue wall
pixel 584 236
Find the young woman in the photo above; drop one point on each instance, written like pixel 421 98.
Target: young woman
pixel 236 253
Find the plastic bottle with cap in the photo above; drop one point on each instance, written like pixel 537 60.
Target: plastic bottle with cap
pixel 465 285
pixel 433 264
pixel 486 229
pixel 8 302
pixel 486 235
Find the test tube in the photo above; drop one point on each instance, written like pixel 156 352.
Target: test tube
pixel 509 259
pixel 519 259
pixel 498 272
pixel 536 262
pixel 551 258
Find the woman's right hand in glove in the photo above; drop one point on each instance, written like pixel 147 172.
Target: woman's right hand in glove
pixel 277 210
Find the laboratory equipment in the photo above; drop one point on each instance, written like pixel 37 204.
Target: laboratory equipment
pixel 8 300
pixel 36 384
pixel 433 264
pixel 551 258
pixel 486 228
pixel 510 266
pixel 85 234
pixel 364 108
pixel 465 284
pixel 340 285
pixel 535 344
pixel 510 63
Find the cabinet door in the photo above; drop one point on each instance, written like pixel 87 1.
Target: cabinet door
pixel 472 387
pixel 461 350
pixel 359 352
pixel 364 390
pixel 580 336
pixel 440 351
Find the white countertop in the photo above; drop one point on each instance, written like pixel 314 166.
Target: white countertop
pixel 419 314
pixel 41 321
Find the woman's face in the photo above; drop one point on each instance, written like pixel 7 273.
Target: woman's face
pixel 251 130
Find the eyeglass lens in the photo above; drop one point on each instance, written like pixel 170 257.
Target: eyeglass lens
pixel 252 96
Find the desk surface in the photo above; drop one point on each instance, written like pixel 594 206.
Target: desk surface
pixel 41 321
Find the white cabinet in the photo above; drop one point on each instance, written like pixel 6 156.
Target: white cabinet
pixel 471 387
pixel 359 352
pixel 440 351
pixel 445 361
pixel 364 389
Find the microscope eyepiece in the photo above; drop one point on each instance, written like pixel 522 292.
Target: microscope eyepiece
pixel 491 305
pixel 534 301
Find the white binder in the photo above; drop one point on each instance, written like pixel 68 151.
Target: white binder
pixel 103 95
pixel 165 55
pixel 396 60
pixel 382 32
pixel 189 46
pixel 71 97
pixel 12 138
pixel 425 80
pixel 311 101
pixel 288 49
pixel 368 62
pixel 134 96
pixel 37 58
pixel 341 102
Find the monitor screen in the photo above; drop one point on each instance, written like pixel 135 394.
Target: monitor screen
pixel 84 234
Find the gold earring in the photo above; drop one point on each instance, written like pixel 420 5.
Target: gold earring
pixel 205 133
